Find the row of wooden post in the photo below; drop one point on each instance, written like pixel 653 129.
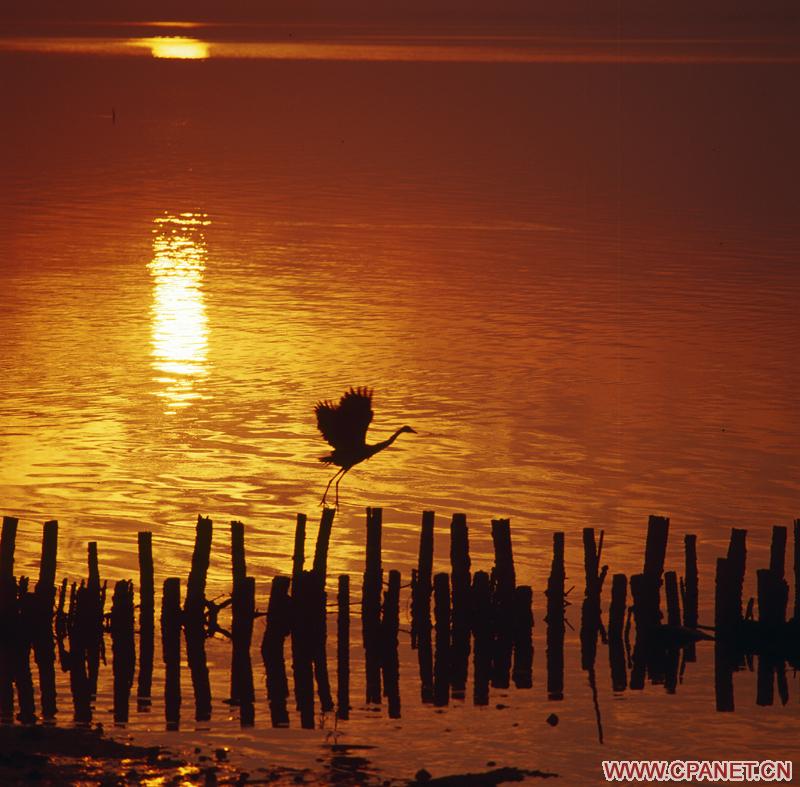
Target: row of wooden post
pixel 454 615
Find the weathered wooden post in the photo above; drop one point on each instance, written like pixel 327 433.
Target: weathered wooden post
pixel 94 607
pixel 555 621
pixel 298 556
pixel 244 613
pixel 171 650
pixel 343 649
pixel 8 617
pixel 616 620
pixel 503 583
pixel 371 605
pixel 441 662
pixel 272 650
pixel 726 619
pixel 690 593
pixel 238 606
pixel 422 585
pixel 194 619
pixel 390 661
pixel 304 600
pixel 320 572
pixel 461 581
pixel 43 641
pixel 147 611
pixel 482 632
pixel 522 673
pixel 123 648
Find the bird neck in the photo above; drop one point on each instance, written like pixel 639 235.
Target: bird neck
pixel 386 443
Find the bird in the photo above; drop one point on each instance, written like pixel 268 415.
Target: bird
pixel 344 426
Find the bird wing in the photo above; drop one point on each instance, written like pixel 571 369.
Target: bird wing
pixel 345 425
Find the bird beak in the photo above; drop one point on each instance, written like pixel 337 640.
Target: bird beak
pixel 413 431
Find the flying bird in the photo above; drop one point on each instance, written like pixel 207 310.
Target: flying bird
pixel 344 426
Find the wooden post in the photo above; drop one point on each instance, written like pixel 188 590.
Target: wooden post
pixel 279 616
pixel 323 541
pixel 238 563
pixel 8 617
pixel 47 565
pixel 244 612
pixel 656 546
pixel 8 541
pixel 93 608
pixel 371 605
pixel 616 620
pixel 147 606
pixel 21 638
pixel 777 552
pixel 390 661
pixel 482 631
pixel 343 649
pixel 421 607
pixel 298 556
pixel 503 583
pixel 171 650
pixel 320 571
pixel 523 637
pixel 304 600
pixel 194 619
pixel 673 603
pixel 238 603
pixel 43 641
pixel 123 648
pixel 441 663
pixel 82 630
pixel 726 619
pixel 797 571
pixel 555 621
pixel 691 593
pixel 735 569
pixel 461 582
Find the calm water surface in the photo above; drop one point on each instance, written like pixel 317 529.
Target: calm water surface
pixel 576 278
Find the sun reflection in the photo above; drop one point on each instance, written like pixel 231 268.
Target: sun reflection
pixel 179 321
pixel 176 47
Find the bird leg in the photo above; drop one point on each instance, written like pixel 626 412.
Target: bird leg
pixel 341 476
pixel 338 472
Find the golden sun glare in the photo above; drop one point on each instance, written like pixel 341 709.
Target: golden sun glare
pixel 179 324
pixel 176 47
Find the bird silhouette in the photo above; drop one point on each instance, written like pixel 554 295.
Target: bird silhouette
pixel 344 426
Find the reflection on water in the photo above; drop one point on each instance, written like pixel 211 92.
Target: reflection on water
pixel 176 47
pixel 179 321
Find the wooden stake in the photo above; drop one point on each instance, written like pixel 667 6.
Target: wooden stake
pixel 147 605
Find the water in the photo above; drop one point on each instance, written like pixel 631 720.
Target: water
pixel 572 272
